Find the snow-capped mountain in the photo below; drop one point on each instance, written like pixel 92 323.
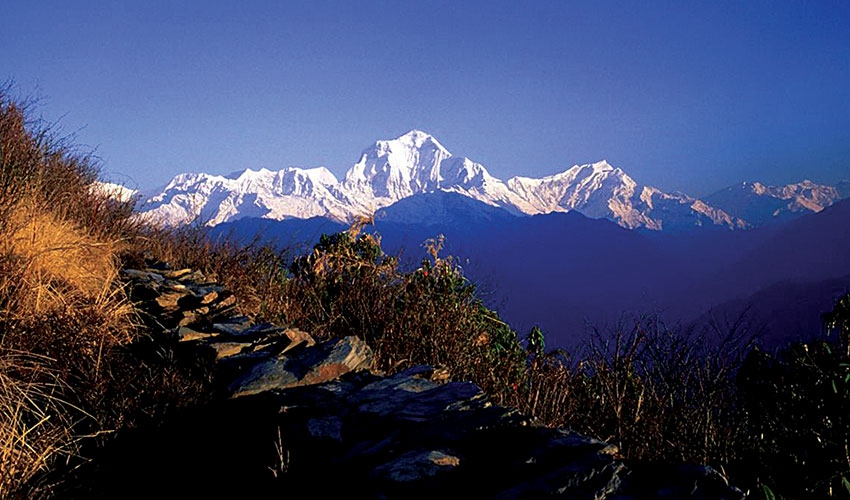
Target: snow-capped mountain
pixel 115 191
pixel 602 191
pixel 213 199
pixel 416 163
pixel 396 169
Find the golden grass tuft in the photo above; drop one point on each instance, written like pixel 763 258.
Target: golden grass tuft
pixel 56 260
pixel 59 295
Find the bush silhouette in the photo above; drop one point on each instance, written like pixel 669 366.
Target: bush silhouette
pixel 798 407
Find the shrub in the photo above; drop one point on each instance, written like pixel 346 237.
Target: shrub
pixel 655 393
pixel 348 286
pixel 798 407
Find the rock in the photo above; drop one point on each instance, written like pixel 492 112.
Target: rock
pixel 246 332
pixel 326 428
pixel 317 401
pixel 169 301
pixel 209 297
pixel 385 388
pixel 647 480
pixel 192 277
pixel 143 276
pixel 226 349
pixel 175 287
pixel 412 398
pixel 564 441
pixel 297 338
pixel 317 364
pixel 189 318
pixel 416 466
pixel 226 303
pixel 186 334
pixel 234 326
pixel 176 274
pixel 571 481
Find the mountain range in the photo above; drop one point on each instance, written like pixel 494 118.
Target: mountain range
pixel 588 248
pixel 416 163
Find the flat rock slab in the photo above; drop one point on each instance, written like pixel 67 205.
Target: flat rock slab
pixel 416 466
pixel 226 349
pixel 186 334
pixel 313 365
pixel 247 331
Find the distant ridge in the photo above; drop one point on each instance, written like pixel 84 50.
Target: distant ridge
pixel 760 204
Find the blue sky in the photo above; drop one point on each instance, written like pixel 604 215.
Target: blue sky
pixel 683 95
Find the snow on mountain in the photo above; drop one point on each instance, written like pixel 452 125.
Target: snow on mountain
pixel 463 176
pixel 395 169
pixel 115 191
pixel 213 199
pixel 415 163
pixel 600 190
pixel 760 204
pixel 678 211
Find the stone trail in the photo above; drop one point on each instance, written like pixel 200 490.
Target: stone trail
pixel 305 416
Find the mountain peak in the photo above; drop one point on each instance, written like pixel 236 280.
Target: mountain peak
pixel 416 139
pixel 602 166
pixel 247 174
pixel 415 135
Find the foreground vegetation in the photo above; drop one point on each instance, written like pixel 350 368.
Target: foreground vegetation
pixel 78 363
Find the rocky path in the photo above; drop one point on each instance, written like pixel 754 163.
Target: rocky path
pixel 304 416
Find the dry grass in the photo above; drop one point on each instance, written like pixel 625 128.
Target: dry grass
pixel 55 278
pixel 51 250
pixel 35 423
pixel 63 315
